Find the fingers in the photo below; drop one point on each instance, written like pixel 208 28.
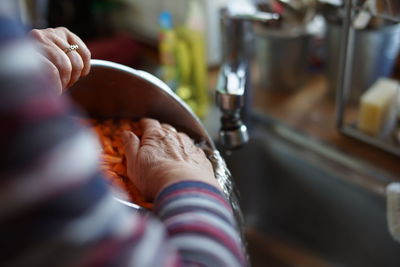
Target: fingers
pixel 77 67
pixel 168 127
pixel 154 132
pixel 167 156
pixel 148 124
pixel 151 125
pixel 52 73
pixel 131 144
pixel 188 145
pixel 71 65
pixel 186 140
pixel 80 58
pixel 83 51
pixel 151 129
pixel 59 59
pixel 72 74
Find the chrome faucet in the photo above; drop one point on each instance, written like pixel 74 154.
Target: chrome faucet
pixel 234 76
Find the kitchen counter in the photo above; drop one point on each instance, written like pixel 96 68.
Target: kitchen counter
pixel 311 111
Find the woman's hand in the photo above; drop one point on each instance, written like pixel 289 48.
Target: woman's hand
pixel 164 156
pixel 65 66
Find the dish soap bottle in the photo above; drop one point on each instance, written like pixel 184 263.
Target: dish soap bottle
pixel 167 44
pixel 192 61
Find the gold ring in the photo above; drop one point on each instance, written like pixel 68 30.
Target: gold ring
pixel 71 48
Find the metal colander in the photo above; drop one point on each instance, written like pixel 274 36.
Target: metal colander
pixel 116 91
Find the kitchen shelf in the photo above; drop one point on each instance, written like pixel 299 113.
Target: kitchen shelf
pixel 348 49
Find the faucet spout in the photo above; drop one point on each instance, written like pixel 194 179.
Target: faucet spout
pixel 234 76
pixel 230 99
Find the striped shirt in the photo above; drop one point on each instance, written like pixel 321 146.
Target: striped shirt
pixel 57 210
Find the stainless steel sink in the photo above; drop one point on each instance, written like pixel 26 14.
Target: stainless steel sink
pixel 308 205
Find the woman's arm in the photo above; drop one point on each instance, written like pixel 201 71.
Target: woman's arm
pixel 57 210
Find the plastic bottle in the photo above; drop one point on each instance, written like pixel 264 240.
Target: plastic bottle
pixel 191 55
pixel 167 45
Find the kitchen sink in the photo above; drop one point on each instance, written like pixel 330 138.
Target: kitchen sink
pixel 306 204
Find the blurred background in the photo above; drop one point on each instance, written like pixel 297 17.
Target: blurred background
pixel 317 85
pixel 306 42
pixel 135 26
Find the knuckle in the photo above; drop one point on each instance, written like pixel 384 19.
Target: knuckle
pixel 77 66
pixel 155 133
pixel 84 50
pixel 88 54
pixel 53 32
pixel 65 66
pixel 36 34
pixel 61 32
pixel 185 138
pixel 53 71
pixel 168 127
pixel 64 69
pixel 80 65
pixel 61 29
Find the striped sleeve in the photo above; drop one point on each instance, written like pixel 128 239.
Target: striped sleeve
pixel 200 224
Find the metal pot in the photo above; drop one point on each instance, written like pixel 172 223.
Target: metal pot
pixel 281 62
pixel 113 90
pixel 374 55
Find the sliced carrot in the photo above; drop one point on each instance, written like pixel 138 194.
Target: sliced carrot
pixel 107 130
pixel 138 132
pixel 135 124
pixel 109 122
pixel 121 149
pixel 115 142
pixel 110 150
pixel 120 169
pixel 113 162
pixel 98 131
pixel 111 174
pixel 105 140
pixel 125 125
pixel 111 159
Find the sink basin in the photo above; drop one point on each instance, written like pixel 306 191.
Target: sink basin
pixel 307 205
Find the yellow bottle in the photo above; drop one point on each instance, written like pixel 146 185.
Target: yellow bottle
pixel 191 60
